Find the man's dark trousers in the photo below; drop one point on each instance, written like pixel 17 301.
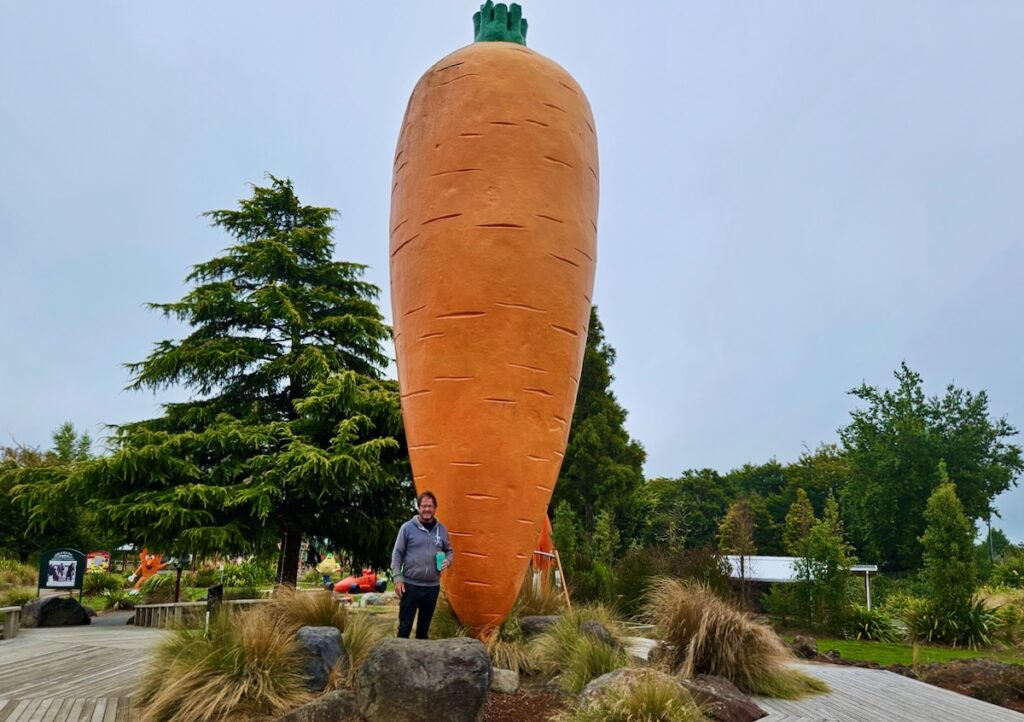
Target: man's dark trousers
pixel 416 599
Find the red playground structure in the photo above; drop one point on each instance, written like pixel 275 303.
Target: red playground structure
pixel 368 582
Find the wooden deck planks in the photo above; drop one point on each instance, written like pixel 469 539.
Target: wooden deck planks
pixel 871 695
pixel 81 674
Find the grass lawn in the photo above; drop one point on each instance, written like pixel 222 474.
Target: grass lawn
pixel 886 654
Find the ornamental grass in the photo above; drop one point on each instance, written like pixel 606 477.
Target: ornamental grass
pixel 704 634
pixel 248 667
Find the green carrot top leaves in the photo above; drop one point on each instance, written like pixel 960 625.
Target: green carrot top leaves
pixel 499 23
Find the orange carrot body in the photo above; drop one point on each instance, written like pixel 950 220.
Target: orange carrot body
pixel 493 250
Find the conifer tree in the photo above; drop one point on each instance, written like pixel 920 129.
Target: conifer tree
pixel 290 430
pixel 799 521
pixel 948 541
pixel 603 466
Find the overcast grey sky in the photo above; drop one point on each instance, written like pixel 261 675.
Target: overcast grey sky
pixel 796 196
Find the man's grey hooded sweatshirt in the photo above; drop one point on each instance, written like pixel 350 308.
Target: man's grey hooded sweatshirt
pixel 413 560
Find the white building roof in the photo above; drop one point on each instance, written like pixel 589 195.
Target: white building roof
pixel 776 569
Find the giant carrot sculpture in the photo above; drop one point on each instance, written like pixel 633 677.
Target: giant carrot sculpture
pixel 493 245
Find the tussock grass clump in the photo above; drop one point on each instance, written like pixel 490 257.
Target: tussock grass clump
pixel 444 624
pixel 538 597
pixel 17 596
pixel 573 657
pixel 246 668
pixel 650 699
pixel 704 634
pixel 512 654
pixel 362 631
pixel 296 609
pixel 15 574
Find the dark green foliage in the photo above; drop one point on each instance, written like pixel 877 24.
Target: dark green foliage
pixel 974 625
pixel 27 529
pixel 603 466
pixel 799 522
pixel 684 512
pixel 894 445
pixel 99 582
pixel 948 541
pixel 872 625
pixel 251 573
pixel 290 430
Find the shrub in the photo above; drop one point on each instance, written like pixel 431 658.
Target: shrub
pixel 972 626
pixel 95 583
pixel 573 657
pixel 158 589
pixel 898 604
pixel 312 576
pixel 873 625
pixel 206 576
pixel 706 635
pixel 650 699
pixel 633 572
pixel 780 602
pixel 15 574
pixel 251 573
pixel 1009 572
pixel 115 599
pixel 18 596
pixel 241 593
pixel 246 668
pixel 295 609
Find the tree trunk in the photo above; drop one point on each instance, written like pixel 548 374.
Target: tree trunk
pixel 288 557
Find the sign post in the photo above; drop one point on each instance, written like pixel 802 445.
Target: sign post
pixel 62 569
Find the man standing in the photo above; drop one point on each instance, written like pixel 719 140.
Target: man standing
pixel 421 551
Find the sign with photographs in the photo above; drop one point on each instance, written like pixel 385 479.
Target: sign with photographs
pixel 61 569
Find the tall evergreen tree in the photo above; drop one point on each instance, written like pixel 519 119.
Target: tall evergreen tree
pixel 290 430
pixel 799 522
pixel 603 466
pixel 948 540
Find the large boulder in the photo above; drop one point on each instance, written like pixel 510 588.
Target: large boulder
pixel 337 706
pixel 597 688
pixel 717 696
pixel 413 680
pixel 594 629
pixel 54 612
pixel 805 647
pixel 322 649
pixel 721 700
pixel 504 681
pixel 533 625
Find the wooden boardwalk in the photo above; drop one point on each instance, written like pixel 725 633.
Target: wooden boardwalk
pixel 72 674
pixel 872 695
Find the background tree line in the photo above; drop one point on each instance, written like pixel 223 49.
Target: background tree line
pixel 292 432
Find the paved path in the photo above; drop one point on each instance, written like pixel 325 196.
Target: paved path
pixel 873 695
pixel 72 674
